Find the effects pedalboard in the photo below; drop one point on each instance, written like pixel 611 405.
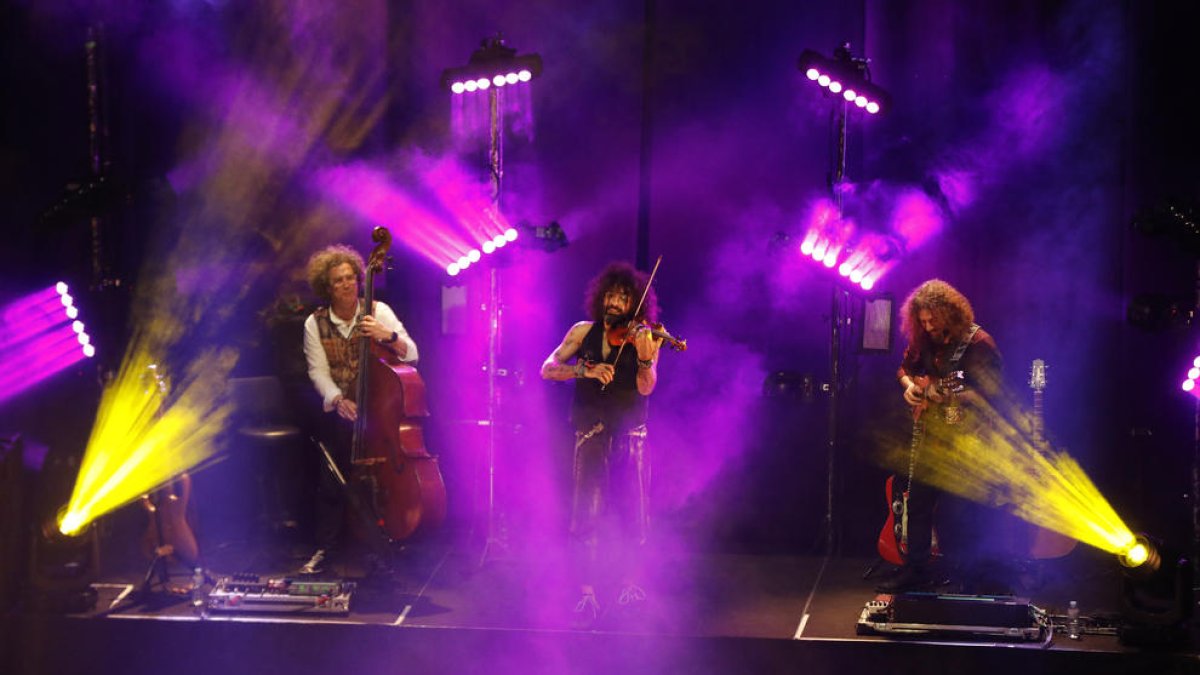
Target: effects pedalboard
pixel 250 593
pixel 926 614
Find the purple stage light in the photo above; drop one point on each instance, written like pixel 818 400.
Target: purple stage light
pixel 1193 374
pixel 453 269
pixel 488 247
pixel 494 63
pixel 513 78
pixel 499 240
pixel 458 88
pixel 511 234
pixel 525 75
pixel 844 72
pixel 473 255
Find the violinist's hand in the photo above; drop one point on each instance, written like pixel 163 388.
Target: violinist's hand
pixel 373 329
pixel 646 344
pixel 914 395
pixel 346 409
pixel 600 371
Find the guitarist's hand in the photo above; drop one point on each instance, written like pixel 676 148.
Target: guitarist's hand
pixel 933 394
pixel 914 395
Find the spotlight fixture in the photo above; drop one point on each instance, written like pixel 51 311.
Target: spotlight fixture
pixel 486 247
pixel 1156 594
pixel 846 76
pixel 494 64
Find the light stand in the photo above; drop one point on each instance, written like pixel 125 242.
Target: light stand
pixel 492 67
pixel 845 78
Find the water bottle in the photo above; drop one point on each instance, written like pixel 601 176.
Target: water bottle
pixel 198 596
pixel 1073 620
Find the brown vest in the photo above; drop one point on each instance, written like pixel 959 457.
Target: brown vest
pixel 341 352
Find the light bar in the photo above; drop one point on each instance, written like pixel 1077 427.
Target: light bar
pixel 845 77
pixel 494 64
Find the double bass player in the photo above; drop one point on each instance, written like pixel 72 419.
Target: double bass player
pixel 332 337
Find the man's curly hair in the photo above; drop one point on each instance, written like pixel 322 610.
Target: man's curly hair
pixel 949 308
pixel 328 258
pixel 623 276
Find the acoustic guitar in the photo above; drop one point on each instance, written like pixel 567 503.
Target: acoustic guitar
pixel 168 535
pixel 1044 544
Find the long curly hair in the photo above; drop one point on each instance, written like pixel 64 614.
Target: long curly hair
pixel 328 258
pixel 620 275
pixel 949 307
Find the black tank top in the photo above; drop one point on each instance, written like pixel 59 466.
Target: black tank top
pixel 620 407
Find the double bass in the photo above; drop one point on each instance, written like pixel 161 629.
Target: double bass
pixel 390 465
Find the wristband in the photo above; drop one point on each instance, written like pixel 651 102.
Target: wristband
pixel 580 369
pixel 645 364
pixel 392 340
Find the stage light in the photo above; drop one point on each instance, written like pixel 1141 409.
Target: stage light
pixel 845 73
pixel 474 255
pixel 453 269
pixel 488 247
pixel 493 64
pixel 511 234
pixel 1156 594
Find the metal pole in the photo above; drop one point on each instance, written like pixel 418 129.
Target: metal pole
pixel 496 167
pixel 835 342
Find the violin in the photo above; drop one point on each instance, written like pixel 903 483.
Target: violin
pixel 623 332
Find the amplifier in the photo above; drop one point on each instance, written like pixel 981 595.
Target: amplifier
pixel 249 593
pixel 923 613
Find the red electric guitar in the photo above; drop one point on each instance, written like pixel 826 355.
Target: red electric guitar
pixel 893 537
pixel 1045 544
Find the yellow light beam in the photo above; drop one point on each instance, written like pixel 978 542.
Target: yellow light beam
pixel 997 463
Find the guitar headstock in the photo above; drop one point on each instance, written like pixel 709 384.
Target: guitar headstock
pixel 1037 375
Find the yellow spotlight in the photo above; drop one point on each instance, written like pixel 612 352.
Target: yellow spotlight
pixel 1141 556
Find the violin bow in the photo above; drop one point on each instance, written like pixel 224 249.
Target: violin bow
pixel 637 310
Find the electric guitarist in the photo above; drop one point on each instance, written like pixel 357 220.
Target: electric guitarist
pixel 942 339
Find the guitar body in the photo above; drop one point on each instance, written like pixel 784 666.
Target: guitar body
pixel 1044 544
pixel 169 532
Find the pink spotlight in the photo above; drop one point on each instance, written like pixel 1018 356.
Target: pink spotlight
pixel 872 107
pixel 77 326
pixel 473 255
pixel 511 234
pixel 512 78
pixel 72 312
pixel 835 87
pixel 499 80
pixel 524 76
pixel 483 83
pixel 1194 373
pixel 860 101
pixel 61 288
pixel 464 262
pixel 67 300
pixel 458 88
pixel 471 85
pixel 89 351
pixel 849 95
pixel 812 74
pixel 488 247
pixel 824 80
pixel 1189 385
pixel 810 240
pixel 499 241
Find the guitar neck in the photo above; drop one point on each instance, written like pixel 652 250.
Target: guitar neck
pixel 1039 436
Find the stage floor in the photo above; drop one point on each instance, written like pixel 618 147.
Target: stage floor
pixel 452 608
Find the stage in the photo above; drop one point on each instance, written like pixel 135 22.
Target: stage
pixel 444 611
